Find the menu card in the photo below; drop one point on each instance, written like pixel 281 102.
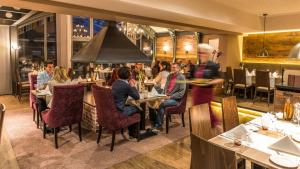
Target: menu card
pixel 286 145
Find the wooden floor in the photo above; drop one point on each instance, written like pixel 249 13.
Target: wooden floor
pixel 174 155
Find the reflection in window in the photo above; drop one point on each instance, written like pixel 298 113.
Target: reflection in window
pixel 98 25
pixel 81 26
pixel 51 38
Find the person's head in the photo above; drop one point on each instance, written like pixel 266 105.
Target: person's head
pixel 124 73
pixel 138 66
pixel 60 74
pixel 49 66
pixel 205 52
pixel 165 66
pixel 175 68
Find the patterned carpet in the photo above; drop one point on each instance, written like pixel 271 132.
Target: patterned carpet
pixel 32 151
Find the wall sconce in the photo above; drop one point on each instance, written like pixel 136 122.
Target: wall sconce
pixel 166 48
pixel 15 46
pixel 187 48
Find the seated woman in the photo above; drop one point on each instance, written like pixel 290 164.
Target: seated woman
pixel 60 77
pixel 121 90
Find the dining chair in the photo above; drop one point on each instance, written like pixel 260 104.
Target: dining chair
pixel 22 87
pixel 32 99
pixel 229 113
pixel 66 109
pixel 262 84
pixel 206 155
pixel 228 80
pixel 2 112
pixel 239 82
pixel 178 109
pixel 109 117
pixel 200 123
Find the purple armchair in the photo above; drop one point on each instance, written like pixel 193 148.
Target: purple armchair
pixel 32 99
pixel 178 109
pixel 108 115
pixel 67 107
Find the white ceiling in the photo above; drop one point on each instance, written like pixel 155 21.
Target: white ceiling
pixel 159 29
pixel 230 15
pixel 257 7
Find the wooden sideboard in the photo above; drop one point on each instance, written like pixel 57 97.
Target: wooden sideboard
pixel 284 92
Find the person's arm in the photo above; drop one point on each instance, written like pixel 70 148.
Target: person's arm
pixel 157 79
pixel 40 80
pixel 167 84
pixel 132 91
pixel 216 81
pixel 182 87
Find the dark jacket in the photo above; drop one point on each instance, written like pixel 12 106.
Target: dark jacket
pixel 179 88
pixel 120 91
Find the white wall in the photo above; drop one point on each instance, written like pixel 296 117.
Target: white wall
pixel 64 40
pixel 5 68
pixel 231 47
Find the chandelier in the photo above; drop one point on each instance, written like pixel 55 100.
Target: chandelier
pixel 263 52
pixel 133 31
pixel 80 31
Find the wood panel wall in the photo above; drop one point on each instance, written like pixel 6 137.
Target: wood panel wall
pixel 277 44
pixel 181 54
pixel 182 40
pixel 160 43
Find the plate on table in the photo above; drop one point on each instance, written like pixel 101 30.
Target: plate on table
pixel 284 161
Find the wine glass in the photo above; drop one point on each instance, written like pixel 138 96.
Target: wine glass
pixel 297 115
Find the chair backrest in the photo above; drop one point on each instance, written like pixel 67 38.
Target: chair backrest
pixel 206 155
pixel 32 84
pixel 239 76
pixel 293 80
pixel 107 113
pixel 262 79
pixel 229 75
pixel 200 122
pixel 67 105
pixel 229 113
pixel 2 112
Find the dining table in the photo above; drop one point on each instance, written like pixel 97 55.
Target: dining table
pixel 256 146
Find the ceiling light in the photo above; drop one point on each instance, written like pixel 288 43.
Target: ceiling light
pixel 263 51
pixel 16 8
pixel 8 15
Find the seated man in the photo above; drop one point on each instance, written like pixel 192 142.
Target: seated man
pixel 174 91
pixel 121 89
pixel 42 80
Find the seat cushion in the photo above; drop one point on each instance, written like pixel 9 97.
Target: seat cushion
pixel 242 86
pixel 264 88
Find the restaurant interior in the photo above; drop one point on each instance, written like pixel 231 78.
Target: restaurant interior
pixel 240 109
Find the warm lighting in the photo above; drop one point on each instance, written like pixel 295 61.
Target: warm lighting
pixel 146 48
pixel 16 8
pixel 295 52
pixel 187 48
pixel 8 15
pixel 275 31
pixel 166 48
pixel 15 46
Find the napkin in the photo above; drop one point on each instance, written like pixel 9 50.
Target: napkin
pixel 286 145
pixel 239 132
pixel 153 92
pixel 248 73
pixel 275 75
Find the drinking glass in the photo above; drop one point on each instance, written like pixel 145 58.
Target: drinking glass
pixel 297 115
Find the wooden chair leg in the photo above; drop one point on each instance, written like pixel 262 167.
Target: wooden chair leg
pixel 79 132
pixel 167 123
pixel 245 93
pixel 55 138
pixel 254 96
pixel 122 131
pixel 182 118
pixel 232 92
pixel 33 115
pixel 70 127
pixel 268 98
pixel 138 132
pixel 99 134
pixel 38 119
pixel 44 130
pixel 113 140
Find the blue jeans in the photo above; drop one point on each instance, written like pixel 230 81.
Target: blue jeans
pixel 161 110
pixel 129 110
